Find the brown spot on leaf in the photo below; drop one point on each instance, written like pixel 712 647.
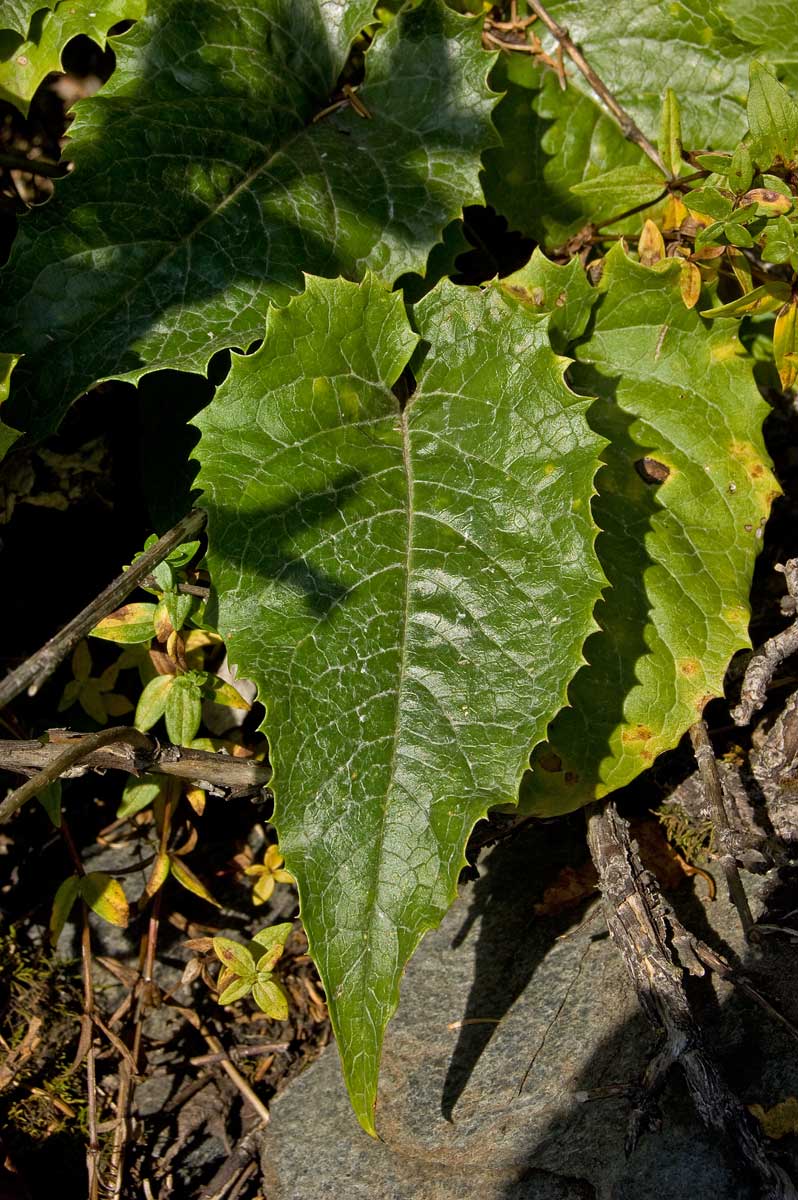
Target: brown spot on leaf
pixel 549 761
pixel 571 777
pixel 651 470
pixel 638 733
pixel 689 666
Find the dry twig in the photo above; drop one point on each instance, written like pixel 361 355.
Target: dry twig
pixel 769 657
pixel 135 753
pixel 724 835
pixel 62 760
pixel 627 126
pixel 40 666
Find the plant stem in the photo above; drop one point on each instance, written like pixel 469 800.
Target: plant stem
pixel 137 754
pixel 40 666
pixel 627 126
pixel 63 760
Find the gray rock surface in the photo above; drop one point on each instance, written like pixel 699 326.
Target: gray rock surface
pixel 498 991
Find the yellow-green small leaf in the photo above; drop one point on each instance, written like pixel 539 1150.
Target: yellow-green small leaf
pixel 187 879
pixel 63 900
pixel 197 798
pixel 105 897
pixel 234 957
pixel 178 608
pixel 129 625
pixel 236 990
pixel 7 435
pixel 741 268
pixel 221 692
pixel 785 344
pixel 670 137
pixel 81 662
pixel 152 701
pixel 139 793
pixel 741 170
pixel 7 364
pixel 651 245
pixel 162 622
pixel 767 298
pixel 770 203
pixel 116 705
pixel 690 284
pixel 108 678
pixel 158 875
pixel 69 695
pixel 778 1121
pixel 183 712
pixel 92 703
pixel 273 935
pixel 271 999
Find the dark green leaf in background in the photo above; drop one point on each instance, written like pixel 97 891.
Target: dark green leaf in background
pixel 203 188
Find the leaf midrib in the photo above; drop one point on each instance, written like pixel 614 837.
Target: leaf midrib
pixel 402 672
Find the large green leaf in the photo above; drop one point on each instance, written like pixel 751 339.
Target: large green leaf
pixel 203 188
pixel 770 25
pixel 640 49
pixel 682 501
pixel 410 586
pixel 23 65
pixel 554 140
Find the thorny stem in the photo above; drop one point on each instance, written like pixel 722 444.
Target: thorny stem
pixel 713 790
pixel 40 666
pixel 67 758
pixel 627 126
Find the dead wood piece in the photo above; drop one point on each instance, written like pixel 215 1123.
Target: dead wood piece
pixel 64 758
pixel 644 930
pixel 726 844
pixel 777 755
pixel 132 752
pixel 236 1169
pixel 769 657
pixel 774 765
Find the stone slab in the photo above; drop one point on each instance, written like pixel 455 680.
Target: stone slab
pixel 506 1018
